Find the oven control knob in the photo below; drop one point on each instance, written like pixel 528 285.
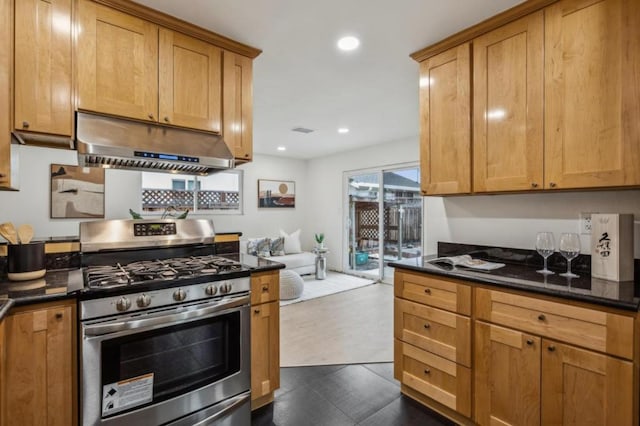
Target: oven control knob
pixel 211 290
pixel 225 288
pixel 143 301
pixel 179 295
pixel 123 304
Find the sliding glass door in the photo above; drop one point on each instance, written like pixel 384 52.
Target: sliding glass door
pixel 384 222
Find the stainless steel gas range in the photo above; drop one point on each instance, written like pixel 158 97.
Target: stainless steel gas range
pixel 164 326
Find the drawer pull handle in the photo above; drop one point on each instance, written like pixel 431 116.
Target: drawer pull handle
pixel 534 185
pixel 265 288
pixel 150 116
pixel 25 124
pixel 427 290
pixel 551 348
pixel 541 317
pixel 552 184
pixel 427 325
pixel 58 315
pixel 166 119
pixel 427 371
pixel 256 311
pixel 529 342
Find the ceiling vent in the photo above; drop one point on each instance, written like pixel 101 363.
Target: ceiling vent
pixel 301 130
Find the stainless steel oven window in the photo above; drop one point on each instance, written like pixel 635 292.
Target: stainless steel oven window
pixel 194 356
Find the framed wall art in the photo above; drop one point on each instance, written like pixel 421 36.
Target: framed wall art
pixel 76 192
pixel 276 193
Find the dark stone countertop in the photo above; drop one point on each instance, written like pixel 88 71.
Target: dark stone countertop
pixel 5 305
pixel 524 277
pixel 55 285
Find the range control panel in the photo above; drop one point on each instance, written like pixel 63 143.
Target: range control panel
pixel 147 229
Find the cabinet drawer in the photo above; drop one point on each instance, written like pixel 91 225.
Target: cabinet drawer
pixel 265 287
pixel 441 380
pixel 589 328
pixel 443 333
pixel 442 293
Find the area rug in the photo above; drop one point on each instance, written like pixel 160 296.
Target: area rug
pixel 334 283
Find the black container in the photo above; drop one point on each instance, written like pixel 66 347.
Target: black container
pixel 25 261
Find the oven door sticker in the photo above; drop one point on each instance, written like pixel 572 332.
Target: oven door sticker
pixel 127 394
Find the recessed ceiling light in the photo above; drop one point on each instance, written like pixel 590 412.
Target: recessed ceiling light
pixel 343 130
pixel 348 43
pixel 282 148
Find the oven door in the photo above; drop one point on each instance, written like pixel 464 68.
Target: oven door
pixel 157 366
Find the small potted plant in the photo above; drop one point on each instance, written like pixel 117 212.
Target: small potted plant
pixel 319 240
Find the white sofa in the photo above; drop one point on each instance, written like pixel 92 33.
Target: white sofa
pixel 303 263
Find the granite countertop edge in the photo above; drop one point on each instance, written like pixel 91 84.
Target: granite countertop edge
pixel 505 283
pixel 5 306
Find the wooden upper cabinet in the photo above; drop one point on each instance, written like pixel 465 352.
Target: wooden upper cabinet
pixel 42 98
pixel 6 26
pixel 592 93
pixel 580 387
pixel 507 107
pixel 190 82
pixel 507 376
pixel 445 122
pixel 238 103
pixel 117 63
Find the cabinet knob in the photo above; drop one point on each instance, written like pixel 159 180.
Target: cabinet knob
pixel 529 342
pixel 552 184
pixel 427 326
pixel 541 317
pixel 150 116
pixel 265 288
pixel 534 185
pixel 2 175
pixel 427 371
pixel 59 315
pixel 551 348
pixel 246 155
pixel 256 311
pixel 166 119
pixel 427 290
pixel 25 124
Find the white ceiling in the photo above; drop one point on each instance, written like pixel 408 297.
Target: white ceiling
pixel 301 79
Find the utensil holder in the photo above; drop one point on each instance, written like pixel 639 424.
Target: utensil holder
pixel 25 261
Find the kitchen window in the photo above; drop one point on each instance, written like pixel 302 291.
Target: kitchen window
pixel 219 193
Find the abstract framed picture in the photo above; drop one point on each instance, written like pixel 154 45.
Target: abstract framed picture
pixel 76 192
pixel 276 193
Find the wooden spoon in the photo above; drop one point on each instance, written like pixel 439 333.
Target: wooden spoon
pixel 8 231
pixel 25 233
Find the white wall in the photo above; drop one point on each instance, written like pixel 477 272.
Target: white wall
pixel 122 191
pixel 513 220
pixel 326 210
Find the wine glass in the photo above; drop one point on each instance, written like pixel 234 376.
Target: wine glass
pixel 545 245
pixel 570 249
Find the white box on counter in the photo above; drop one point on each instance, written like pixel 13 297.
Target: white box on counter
pixel 612 246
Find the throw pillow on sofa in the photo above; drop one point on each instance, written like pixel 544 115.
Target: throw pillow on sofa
pixel 277 246
pixel 259 247
pixel 291 242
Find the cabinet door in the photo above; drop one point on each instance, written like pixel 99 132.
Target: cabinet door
pixel 117 63
pixel 445 122
pixel 6 54
pixel 507 376
pixel 42 99
pixel 592 93
pixel 580 387
pixel 507 107
pixel 40 366
pixel 265 349
pixel 238 105
pixel 190 82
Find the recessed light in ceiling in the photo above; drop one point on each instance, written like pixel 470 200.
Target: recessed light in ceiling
pixel 282 148
pixel 343 130
pixel 301 130
pixel 348 43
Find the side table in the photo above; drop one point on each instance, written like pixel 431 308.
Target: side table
pixel 321 262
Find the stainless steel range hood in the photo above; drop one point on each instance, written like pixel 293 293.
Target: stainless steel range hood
pixel 110 142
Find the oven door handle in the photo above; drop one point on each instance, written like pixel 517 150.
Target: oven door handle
pixel 201 312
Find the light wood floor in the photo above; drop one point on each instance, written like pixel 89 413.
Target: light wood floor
pixel 355 326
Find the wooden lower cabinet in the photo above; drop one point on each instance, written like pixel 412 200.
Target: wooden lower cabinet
pixel 265 341
pixel 40 360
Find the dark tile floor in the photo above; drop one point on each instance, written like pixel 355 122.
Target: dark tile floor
pixel 336 395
